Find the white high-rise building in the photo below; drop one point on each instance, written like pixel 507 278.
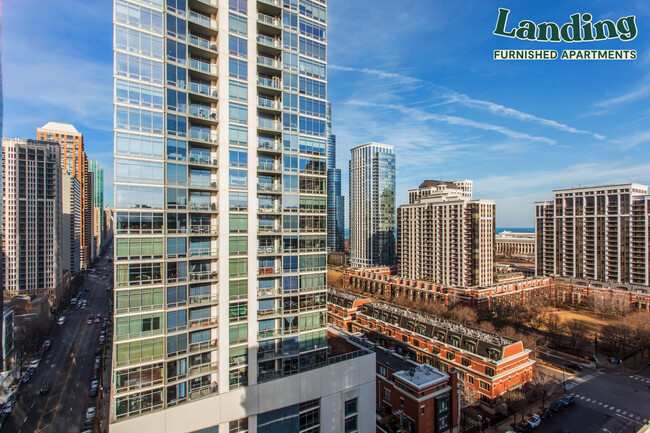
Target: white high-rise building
pixel 596 233
pixel 445 236
pixel 372 205
pixel 31 172
pixel 220 223
pixel 71 223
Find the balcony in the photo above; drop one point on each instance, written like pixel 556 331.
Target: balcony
pixel 205 207
pixel 268 41
pixel 203 43
pixel 269 250
pixel 203 252
pixel 204 300
pixel 271 168
pixel 269 146
pixel 203 136
pixel 204 276
pixel 203 112
pixel 268 104
pixel 271 2
pixel 274 126
pixel 203 322
pixel 273 83
pixel 268 293
pixel 213 3
pixel 203 160
pixel 198 229
pixel 269 209
pixel 267 19
pixel 203 369
pixel 201 66
pixel 263 187
pixel 203 20
pixel 269 312
pixel 268 62
pixel 203 345
pixel 203 89
pixel 269 333
pixel 268 229
pixel 268 271
pixel 201 184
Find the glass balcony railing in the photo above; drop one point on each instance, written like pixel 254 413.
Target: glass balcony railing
pixel 204 299
pixel 203 136
pixel 268 61
pixel 266 144
pixel 263 293
pixel 206 229
pixel 204 275
pixel 203 322
pixel 269 312
pixel 268 229
pixel 203 43
pixel 271 209
pixel 271 2
pixel 269 82
pixel 202 66
pixel 269 167
pixel 268 103
pixel 268 333
pixel 203 89
pixel 268 250
pixel 268 41
pixel 270 270
pixel 204 252
pixel 203 206
pixel 202 159
pixel 203 112
pixel 268 187
pixel 203 20
pixel 267 19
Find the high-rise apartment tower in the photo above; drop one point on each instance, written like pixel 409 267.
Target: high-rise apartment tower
pixel 220 221
pixel 335 201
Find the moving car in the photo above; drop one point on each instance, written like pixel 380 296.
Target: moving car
pixel 534 421
pixel 89 321
pixel 96 319
pixel 45 388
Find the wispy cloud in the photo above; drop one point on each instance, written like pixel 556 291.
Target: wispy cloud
pixel 632 140
pixel 454 120
pixel 451 96
pixel 638 93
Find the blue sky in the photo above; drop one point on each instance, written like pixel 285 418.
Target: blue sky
pixel 421 79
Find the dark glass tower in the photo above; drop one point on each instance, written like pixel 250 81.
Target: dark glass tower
pixel 335 201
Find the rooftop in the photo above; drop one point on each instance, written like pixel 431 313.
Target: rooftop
pixel 421 376
pixel 60 127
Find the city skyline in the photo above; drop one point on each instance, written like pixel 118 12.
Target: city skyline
pixel 446 106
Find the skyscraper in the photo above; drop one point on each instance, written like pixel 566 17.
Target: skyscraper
pixel 595 233
pixel 220 220
pixel 97 204
pixel 446 237
pixel 71 223
pixel 372 205
pixel 32 180
pixel 74 160
pixel 335 201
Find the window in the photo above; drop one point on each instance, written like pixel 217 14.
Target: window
pixel 312 9
pixel 290 81
pixel 313 68
pixel 176 296
pixel 451 356
pixel 238 245
pixel 238 113
pixel 237 46
pixel 238 312
pixel 138 94
pixel 312 87
pixel 237 68
pixel 312 126
pixel 238 268
pixel 138 42
pixel 238 135
pixel 139 351
pixel 139 145
pixel 312 29
pixel 489 371
pixel 312 107
pixel 237 24
pixel 135 67
pixel 176 76
pixel 138 16
pixel 289 20
pixel 176 101
pixel 176 174
pixel 213 429
pixel 238 426
pixel 238 179
pixel 238 91
pixel 312 48
pixel 134 300
pixel 135 119
pixel 238 333
pixel 351 416
pixel 238 289
pixel 467 362
pixel 176 149
pixel 386 392
pixel 176 320
pixel 484 385
pixel 237 6
pixel 135 197
pixel 238 201
pixel 176 125
pixel 176 27
pixel 470 379
pixel 139 248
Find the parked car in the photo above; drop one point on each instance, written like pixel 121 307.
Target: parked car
pixel 90 413
pixel 568 400
pixel 102 339
pixel 573 366
pixel 545 414
pixel 7 407
pixel 61 320
pixel 35 363
pixel 523 427
pixel 557 406
pixel 88 424
pixel 89 321
pixel 534 421
pixel 98 351
pixel 26 377
pixel 93 391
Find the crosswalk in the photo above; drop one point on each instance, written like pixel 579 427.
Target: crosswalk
pixel 613 410
pixel 641 379
pixel 572 383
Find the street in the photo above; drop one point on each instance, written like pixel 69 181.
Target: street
pixel 605 402
pixel 67 367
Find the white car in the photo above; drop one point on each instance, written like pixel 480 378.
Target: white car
pixel 61 320
pixel 90 413
pixel 534 421
pixel 34 363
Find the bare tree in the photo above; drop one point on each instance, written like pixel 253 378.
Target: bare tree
pixel 553 326
pixel 618 335
pixel 542 386
pixel 577 334
pixel 463 315
pixel 515 400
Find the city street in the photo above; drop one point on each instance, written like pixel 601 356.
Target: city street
pixel 605 402
pixel 66 367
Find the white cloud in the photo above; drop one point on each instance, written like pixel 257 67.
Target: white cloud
pixel 633 95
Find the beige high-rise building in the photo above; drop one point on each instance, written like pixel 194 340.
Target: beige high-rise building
pixel 598 233
pixel 445 236
pixel 32 217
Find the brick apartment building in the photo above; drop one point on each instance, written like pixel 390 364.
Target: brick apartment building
pixel 487 365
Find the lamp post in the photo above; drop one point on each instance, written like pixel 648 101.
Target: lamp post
pixel 596 349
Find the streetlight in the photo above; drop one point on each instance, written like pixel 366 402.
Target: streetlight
pixel 596 349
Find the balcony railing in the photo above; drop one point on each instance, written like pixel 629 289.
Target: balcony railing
pixel 271 2
pixel 203 89
pixel 203 345
pixel 268 293
pixel 203 20
pixel 269 333
pixel 203 184
pixel 214 3
pixel 202 276
pixel 203 136
pixel 204 252
pixel 204 229
pixel 267 187
pixel 202 160
pixel 203 43
pixel 269 167
pixel 203 112
pixel 203 322
pixel 203 206
pixel 268 61
pixel 267 19
pixel 268 41
pixel 268 103
pixel 269 312
pixel 269 82
pixel 269 250
pixel 204 368
pixel 204 299
pixel 203 391
pixel 208 68
pixel 268 270
pixel 269 145
pixel 268 229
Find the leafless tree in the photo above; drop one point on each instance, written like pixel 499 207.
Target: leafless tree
pixel 576 332
pixel 542 386
pixel 553 326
